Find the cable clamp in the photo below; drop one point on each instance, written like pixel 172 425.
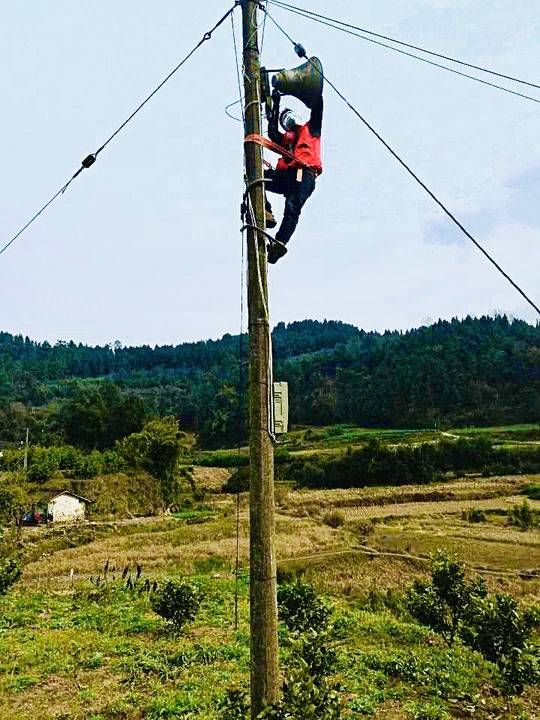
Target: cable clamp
pixel 299 50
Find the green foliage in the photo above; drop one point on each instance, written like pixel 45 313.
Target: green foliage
pixel 301 609
pixel 381 464
pixel 502 632
pixel 522 516
pixel 238 481
pixel 156 449
pixel 224 420
pixel 427 711
pixel 475 371
pixel 532 491
pixel 42 465
pixel 14 499
pixel 46 462
pixel 444 602
pixel 96 416
pixel 334 518
pixel 10 572
pixel 308 691
pixel 494 625
pixel 234 706
pixel 177 602
pixel 474 515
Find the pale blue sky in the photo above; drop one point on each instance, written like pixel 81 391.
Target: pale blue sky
pixel 145 246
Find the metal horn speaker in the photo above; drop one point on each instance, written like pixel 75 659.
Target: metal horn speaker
pixel 304 82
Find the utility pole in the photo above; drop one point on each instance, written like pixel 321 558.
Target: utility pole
pixel 263 603
pixel 25 461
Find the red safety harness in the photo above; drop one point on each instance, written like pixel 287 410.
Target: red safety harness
pixel 274 147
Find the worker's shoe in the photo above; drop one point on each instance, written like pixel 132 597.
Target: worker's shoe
pixel 276 250
pixel 270 219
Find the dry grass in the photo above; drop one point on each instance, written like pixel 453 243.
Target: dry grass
pixel 352 573
pixel 57 642
pixel 443 507
pixel 182 548
pixel 210 479
pixel 304 502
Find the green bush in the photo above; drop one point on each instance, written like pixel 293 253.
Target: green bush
pixel 301 609
pixel 10 572
pixel 156 449
pixel 443 603
pixel 234 706
pixel 43 464
pixel 502 632
pixel 308 691
pixel 238 482
pixel 473 515
pixel 177 602
pixel 532 491
pixel 522 516
pixel 494 625
pixel 381 464
pixel 334 518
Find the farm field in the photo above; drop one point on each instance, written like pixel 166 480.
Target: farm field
pixel 78 651
pixel 334 440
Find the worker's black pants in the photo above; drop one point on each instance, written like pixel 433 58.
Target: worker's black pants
pixel 285 182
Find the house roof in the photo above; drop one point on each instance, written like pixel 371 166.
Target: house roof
pixel 56 493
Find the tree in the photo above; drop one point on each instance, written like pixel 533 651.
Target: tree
pixel 494 625
pixel 156 449
pixel 445 602
pixel 502 631
pixel 98 415
pixel 177 602
pixel 14 499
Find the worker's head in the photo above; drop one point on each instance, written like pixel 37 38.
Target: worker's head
pixel 289 120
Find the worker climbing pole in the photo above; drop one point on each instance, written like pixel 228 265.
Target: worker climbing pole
pixel 263 603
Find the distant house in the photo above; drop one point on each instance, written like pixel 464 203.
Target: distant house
pixel 66 507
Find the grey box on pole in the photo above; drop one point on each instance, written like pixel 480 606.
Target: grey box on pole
pixel 281 408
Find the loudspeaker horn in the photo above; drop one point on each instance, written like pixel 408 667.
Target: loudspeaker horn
pixel 304 82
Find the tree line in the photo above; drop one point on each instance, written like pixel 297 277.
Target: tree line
pixel 474 371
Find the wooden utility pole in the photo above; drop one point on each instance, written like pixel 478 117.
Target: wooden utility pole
pixel 263 604
pixel 25 461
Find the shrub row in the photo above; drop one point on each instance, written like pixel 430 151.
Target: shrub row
pixel 380 464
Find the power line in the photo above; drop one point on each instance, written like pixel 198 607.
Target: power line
pixel 413 174
pixel 91 159
pixel 310 16
pixel 35 217
pixel 288 6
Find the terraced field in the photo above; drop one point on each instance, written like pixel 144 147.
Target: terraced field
pixel 312 501
pixel 442 507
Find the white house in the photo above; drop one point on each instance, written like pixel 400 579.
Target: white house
pixel 67 507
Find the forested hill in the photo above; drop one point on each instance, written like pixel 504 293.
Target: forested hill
pixel 484 370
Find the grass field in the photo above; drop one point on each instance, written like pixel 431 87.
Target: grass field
pixel 72 651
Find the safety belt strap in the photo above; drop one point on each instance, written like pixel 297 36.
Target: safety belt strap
pixel 274 147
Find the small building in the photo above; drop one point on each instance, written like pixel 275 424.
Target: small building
pixel 66 506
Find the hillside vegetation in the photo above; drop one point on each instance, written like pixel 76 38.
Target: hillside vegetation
pixel 407 527
pixel 452 373
pixel 80 637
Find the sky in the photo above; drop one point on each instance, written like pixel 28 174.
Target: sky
pixel 145 246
